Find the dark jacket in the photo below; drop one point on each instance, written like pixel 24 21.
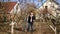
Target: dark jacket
pixel 29 18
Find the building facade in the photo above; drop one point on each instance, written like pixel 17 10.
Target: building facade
pixel 10 8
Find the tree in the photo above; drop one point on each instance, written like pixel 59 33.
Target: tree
pixel 31 7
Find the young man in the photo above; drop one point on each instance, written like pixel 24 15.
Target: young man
pixel 31 19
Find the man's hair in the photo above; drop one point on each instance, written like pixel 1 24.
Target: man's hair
pixel 31 12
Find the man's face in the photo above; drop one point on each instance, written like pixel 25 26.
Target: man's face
pixel 31 13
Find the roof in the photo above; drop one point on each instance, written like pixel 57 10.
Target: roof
pixel 8 6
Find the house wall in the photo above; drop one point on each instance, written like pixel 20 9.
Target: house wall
pixel 51 9
pixel 15 12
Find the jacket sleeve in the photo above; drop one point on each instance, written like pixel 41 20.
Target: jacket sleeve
pixel 34 17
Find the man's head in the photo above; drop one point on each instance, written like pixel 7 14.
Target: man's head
pixel 31 13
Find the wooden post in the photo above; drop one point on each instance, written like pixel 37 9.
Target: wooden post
pixel 55 31
pixel 12 26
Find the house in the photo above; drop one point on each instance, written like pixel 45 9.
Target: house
pixel 52 7
pixel 8 10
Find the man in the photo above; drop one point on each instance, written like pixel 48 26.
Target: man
pixel 31 19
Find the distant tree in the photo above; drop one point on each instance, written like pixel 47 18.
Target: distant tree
pixel 26 8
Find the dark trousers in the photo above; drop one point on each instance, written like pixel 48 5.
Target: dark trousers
pixel 30 25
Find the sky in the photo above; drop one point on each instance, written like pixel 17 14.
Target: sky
pixel 35 1
pixel 58 1
pixel 38 4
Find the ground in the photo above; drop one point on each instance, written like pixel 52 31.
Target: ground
pixel 40 28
